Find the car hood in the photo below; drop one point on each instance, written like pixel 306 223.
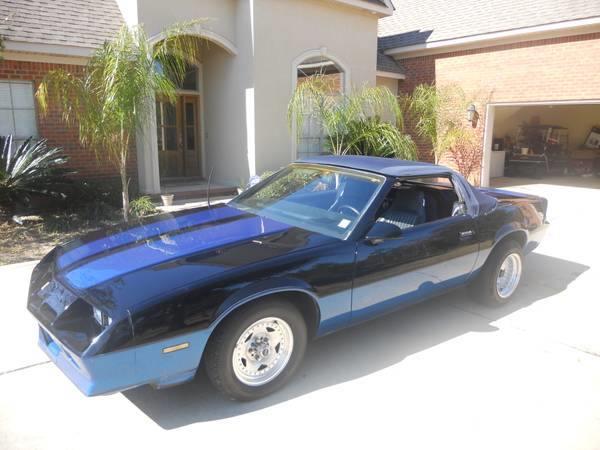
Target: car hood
pixel 123 267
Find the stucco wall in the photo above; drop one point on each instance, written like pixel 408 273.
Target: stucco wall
pixel 227 81
pixel 245 95
pixel 220 15
pixel 390 83
pixel 285 30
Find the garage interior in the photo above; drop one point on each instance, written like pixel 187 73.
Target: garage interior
pixel 539 141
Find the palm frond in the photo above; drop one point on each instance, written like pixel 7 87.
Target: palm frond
pixel 347 119
pixel 32 169
pixel 438 113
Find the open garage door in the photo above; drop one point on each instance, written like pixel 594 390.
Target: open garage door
pixel 538 141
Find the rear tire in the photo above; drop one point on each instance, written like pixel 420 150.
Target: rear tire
pixel 256 350
pixel 500 276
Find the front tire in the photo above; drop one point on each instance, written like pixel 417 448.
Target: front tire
pixel 500 276
pixel 256 350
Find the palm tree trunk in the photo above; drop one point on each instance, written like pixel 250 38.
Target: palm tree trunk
pixel 124 147
pixel 124 186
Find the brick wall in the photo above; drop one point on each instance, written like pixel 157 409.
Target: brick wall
pixel 52 128
pixel 566 68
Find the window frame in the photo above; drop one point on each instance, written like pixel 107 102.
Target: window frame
pixel 18 138
pixel 456 190
pixel 365 212
pixel 344 70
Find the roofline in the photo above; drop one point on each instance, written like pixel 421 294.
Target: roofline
pixel 9 55
pixel 372 7
pixel 559 29
pixel 386 74
pixel 73 51
pixel 416 168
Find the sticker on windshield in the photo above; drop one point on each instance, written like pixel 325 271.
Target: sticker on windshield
pixel 344 223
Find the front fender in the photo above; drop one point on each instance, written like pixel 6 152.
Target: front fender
pixel 261 289
pixel 333 310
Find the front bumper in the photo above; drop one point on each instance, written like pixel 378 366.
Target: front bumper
pixel 125 369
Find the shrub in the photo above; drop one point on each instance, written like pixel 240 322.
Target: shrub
pixel 83 192
pixel 142 206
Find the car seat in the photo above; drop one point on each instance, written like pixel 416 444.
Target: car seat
pixel 406 210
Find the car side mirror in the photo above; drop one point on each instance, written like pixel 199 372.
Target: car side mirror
pixel 381 231
pixel 459 209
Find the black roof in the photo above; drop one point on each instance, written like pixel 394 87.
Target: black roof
pixel 385 166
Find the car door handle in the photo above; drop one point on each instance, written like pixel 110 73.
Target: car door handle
pixel 466 234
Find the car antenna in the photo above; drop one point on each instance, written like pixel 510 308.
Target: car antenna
pixel 208 187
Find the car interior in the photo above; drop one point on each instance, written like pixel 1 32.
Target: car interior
pixel 415 202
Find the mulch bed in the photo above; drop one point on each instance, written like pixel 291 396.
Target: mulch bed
pixel 39 234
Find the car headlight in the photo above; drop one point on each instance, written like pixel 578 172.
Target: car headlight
pixel 101 317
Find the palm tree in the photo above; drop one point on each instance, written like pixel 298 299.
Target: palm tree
pixel 352 121
pixel 115 95
pixel 439 113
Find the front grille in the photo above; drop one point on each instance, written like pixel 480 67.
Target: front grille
pixel 63 314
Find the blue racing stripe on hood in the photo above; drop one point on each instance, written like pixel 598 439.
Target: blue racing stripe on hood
pixel 143 232
pixel 169 247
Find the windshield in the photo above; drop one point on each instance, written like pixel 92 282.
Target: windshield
pixel 324 199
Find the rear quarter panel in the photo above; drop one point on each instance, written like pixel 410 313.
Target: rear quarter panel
pixel 520 216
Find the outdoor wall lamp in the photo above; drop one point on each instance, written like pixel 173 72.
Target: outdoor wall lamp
pixel 472 115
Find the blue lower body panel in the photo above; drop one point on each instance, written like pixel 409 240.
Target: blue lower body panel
pixel 126 369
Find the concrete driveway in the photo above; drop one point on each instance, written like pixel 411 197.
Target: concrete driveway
pixel 444 374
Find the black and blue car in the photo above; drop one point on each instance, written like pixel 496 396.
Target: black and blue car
pixel 240 288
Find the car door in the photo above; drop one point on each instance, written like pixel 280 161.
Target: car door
pixel 423 261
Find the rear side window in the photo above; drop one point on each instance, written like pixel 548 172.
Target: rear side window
pixel 415 201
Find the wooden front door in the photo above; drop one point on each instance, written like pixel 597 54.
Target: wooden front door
pixel 178 142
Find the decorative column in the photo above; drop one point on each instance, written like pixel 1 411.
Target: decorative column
pixel 147 155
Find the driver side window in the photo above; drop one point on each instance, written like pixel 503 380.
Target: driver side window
pixel 415 201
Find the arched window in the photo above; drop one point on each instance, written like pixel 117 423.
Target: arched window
pixel 190 79
pixel 312 138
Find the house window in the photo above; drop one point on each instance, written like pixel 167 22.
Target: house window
pixel 190 77
pixel 312 140
pixel 17 111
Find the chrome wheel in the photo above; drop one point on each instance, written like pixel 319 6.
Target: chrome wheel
pixel 262 351
pixel 509 275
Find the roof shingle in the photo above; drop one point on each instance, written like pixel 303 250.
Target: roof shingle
pixel 386 63
pixel 424 21
pixel 80 23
